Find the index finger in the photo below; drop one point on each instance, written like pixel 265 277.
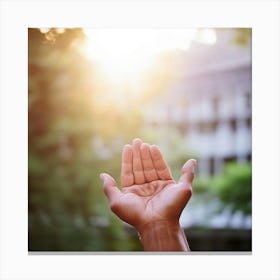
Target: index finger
pixel 127 178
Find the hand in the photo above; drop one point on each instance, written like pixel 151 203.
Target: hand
pixel 149 193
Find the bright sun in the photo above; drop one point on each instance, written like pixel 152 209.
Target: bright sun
pixel 127 52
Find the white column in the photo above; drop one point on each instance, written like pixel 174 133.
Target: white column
pixel 204 167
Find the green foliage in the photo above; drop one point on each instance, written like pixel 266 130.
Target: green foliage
pixel 233 187
pixel 76 131
pixel 67 209
pixel 243 36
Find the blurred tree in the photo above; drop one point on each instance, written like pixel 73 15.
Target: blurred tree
pixel 76 126
pixel 243 36
pixel 233 187
pixel 67 209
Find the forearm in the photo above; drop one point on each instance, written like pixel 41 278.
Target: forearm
pixel 163 236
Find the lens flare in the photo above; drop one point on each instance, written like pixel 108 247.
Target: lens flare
pixel 127 53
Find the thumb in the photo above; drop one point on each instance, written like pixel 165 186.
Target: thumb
pixel 188 172
pixel 110 187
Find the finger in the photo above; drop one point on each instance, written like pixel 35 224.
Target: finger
pixel 110 188
pixel 188 172
pixel 161 167
pixel 127 178
pixel 138 172
pixel 148 165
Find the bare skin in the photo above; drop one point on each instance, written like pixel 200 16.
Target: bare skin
pixel 150 199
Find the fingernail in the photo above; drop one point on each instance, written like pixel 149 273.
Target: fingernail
pixel 194 162
pixel 137 141
pixel 191 164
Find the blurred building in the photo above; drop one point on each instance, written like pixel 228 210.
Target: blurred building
pixel 210 104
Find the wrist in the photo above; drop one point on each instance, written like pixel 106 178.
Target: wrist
pixel 163 235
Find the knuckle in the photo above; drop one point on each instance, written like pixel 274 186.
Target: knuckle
pixel 115 206
pixel 148 167
pixel 138 172
pixel 187 191
pixel 150 173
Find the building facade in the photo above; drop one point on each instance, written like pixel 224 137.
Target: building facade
pixel 209 105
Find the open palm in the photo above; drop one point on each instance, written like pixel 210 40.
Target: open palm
pixel 149 192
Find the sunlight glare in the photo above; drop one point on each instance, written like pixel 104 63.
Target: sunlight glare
pixel 128 52
pixel 44 29
pixel 207 36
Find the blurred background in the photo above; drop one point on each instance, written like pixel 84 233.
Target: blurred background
pixel 90 91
